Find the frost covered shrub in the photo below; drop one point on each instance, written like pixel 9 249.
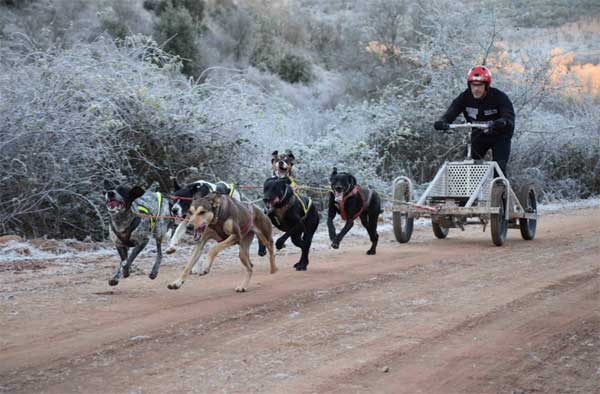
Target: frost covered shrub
pixel 72 118
pixel 294 69
pixel 177 30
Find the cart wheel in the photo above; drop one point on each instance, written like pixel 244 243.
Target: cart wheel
pixel 439 231
pixel 403 225
pixel 498 222
pixel 529 202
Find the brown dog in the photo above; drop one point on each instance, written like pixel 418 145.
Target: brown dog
pixel 230 222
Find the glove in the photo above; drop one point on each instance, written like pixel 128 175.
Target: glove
pixel 498 125
pixel 440 125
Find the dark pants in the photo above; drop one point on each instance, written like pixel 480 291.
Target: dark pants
pixel 499 144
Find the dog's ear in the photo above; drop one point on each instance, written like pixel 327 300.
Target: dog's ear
pixel 352 180
pixel 291 156
pixel 215 199
pixel 176 185
pixel 108 185
pixel 334 172
pixel 136 192
pixel 274 156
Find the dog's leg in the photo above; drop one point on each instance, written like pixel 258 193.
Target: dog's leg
pixel 196 253
pixel 156 266
pixel 370 224
pixel 261 249
pixel 268 242
pixel 280 243
pixel 299 242
pixel 134 253
pixel 117 275
pixel 215 250
pixel 331 213
pixel 338 239
pixel 179 231
pixel 245 259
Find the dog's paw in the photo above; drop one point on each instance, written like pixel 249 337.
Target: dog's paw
pixel 113 282
pixel 203 272
pixel 335 244
pixel 153 275
pixel 262 250
pixel 240 289
pixel 371 251
pixel 299 266
pixel 170 250
pixel 126 272
pixel 280 244
pixel 273 270
pixel 175 285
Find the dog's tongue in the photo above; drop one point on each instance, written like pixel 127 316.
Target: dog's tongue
pixel 113 204
pixel 198 232
pixel 338 196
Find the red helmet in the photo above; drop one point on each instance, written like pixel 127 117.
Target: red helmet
pixel 480 74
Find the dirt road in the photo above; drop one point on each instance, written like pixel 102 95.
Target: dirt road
pixel 432 316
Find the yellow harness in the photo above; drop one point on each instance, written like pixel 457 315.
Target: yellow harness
pixel 147 212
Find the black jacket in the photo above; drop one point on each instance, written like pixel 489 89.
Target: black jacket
pixel 495 105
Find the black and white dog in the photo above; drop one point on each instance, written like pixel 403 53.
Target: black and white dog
pixel 183 199
pixel 135 215
pixel 352 201
pixel 295 215
pixel 282 163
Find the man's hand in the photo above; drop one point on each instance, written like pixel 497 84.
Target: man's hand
pixel 440 125
pixel 498 125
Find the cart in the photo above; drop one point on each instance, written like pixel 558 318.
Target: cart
pixel 468 192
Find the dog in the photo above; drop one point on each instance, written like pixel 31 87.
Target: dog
pixel 183 200
pixel 351 201
pixel 129 229
pixel 282 164
pixel 228 221
pixel 295 215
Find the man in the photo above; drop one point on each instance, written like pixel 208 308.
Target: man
pixel 482 103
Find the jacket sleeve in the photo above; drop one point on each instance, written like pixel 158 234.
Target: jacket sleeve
pixel 455 109
pixel 507 112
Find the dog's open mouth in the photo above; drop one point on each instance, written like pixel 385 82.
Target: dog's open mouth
pixel 339 196
pixel 115 205
pixel 269 204
pixel 282 173
pixel 198 231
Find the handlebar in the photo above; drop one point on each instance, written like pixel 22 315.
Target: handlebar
pixel 470 126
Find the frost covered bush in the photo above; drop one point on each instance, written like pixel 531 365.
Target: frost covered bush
pixel 124 112
pixel 74 117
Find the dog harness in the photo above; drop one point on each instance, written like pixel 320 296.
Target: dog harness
pixel 305 207
pixel 218 227
pixel 145 211
pixel 364 202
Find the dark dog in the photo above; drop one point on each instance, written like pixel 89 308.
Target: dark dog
pixel 183 200
pixel 282 164
pixel 352 201
pixel 230 222
pixel 295 215
pixel 134 217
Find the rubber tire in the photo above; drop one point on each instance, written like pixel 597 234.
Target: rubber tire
pixel 403 225
pixel 498 222
pixel 439 231
pixel 528 200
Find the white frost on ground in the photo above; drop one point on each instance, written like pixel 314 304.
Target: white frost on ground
pixel 24 251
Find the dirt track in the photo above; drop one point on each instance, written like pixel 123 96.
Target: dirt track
pixel 440 316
